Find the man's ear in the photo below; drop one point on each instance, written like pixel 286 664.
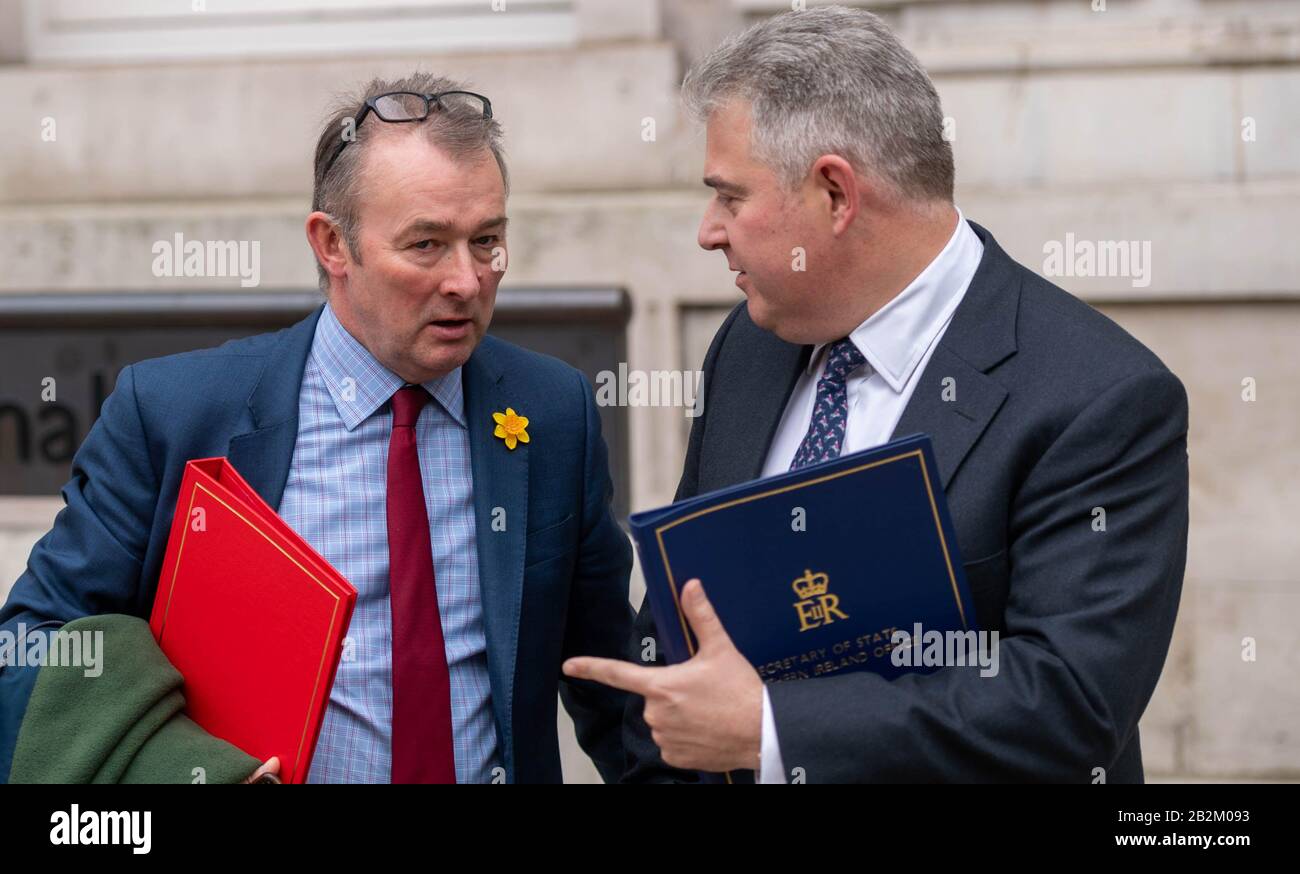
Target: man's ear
pixel 838 189
pixel 327 242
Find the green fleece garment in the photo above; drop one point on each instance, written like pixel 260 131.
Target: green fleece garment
pixel 125 725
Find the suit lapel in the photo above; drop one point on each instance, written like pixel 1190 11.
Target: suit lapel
pixel 981 335
pixel 955 398
pixel 500 487
pixel 753 410
pixel 263 455
pixel 954 413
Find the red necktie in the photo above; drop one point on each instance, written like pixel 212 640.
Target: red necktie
pixel 422 747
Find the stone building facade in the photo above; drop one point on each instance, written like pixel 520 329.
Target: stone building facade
pixel 1170 125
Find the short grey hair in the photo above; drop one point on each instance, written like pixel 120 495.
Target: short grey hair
pixel 460 134
pixel 830 80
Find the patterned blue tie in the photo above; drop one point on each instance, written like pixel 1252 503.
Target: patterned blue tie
pixel 825 437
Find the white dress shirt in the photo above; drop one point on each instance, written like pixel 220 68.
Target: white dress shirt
pixel 897 342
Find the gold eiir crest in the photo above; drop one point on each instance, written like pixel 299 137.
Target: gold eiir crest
pixel 816 606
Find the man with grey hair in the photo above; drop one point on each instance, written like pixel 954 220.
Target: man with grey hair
pixel 875 310
pixel 459 482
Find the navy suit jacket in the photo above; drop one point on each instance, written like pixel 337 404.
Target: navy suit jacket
pixel 1040 410
pixel 554 583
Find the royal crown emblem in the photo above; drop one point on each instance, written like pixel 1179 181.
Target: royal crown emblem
pixel 816 606
pixel 810 585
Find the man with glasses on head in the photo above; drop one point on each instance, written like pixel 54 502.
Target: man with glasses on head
pixel 459 482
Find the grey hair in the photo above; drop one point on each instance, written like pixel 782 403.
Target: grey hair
pixel 830 80
pixel 461 135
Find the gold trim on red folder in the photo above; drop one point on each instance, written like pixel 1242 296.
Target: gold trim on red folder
pixel 333 617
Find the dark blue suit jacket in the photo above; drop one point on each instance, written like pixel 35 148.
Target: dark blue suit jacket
pixel 1056 411
pixel 554 583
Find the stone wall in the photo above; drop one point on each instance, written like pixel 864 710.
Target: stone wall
pixel 1171 123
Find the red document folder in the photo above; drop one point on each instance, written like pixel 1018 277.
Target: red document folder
pixel 251 616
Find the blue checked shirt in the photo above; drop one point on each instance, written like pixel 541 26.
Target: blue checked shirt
pixel 335 498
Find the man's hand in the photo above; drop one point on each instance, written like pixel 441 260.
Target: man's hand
pixel 269 772
pixel 705 714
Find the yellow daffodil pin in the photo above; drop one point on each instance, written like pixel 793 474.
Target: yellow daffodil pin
pixel 511 427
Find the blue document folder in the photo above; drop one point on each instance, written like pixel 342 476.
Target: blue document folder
pixel 813 570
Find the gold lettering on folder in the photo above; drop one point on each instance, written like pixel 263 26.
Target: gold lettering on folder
pixel 816 606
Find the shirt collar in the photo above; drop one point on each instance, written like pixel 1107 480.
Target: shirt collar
pixel 360 385
pixel 895 338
